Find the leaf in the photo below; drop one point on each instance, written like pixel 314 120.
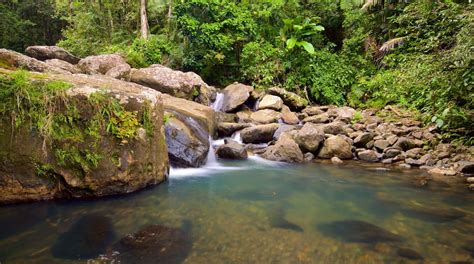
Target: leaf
pixel 308 47
pixel 319 28
pixel 297 27
pixel 290 43
pixel 439 122
pixel 433 119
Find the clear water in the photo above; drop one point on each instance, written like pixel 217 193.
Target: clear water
pixel 264 212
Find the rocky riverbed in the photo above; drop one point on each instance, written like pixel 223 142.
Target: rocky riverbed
pixel 275 124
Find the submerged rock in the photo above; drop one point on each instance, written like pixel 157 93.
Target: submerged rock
pixel 409 254
pixel 285 150
pixel 235 95
pixel 277 220
pixel 87 238
pixel 155 244
pixel 231 150
pixel 51 52
pixel 358 231
pixel 436 215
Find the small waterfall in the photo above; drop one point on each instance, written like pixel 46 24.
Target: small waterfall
pixel 217 105
pixel 211 155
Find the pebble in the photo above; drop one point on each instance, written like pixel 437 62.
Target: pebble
pixel 470 179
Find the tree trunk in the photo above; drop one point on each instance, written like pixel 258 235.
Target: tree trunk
pixel 143 20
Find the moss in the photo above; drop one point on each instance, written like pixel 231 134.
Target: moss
pixel 73 127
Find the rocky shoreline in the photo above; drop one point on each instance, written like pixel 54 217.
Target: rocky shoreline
pixel 277 125
pixel 295 131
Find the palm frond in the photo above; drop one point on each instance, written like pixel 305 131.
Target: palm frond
pixel 391 44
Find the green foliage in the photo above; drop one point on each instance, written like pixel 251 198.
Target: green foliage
pixel 28 22
pixel 296 32
pixel 261 64
pixel 215 32
pixel 327 76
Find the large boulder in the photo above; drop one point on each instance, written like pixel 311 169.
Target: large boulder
pixel 100 64
pixel 192 111
pixel 13 60
pixel 258 134
pixel 368 155
pixel 186 147
pixel 270 102
pixel 186 85
pixel 284 150
pixel 336 146
pixel 235 95
pixel 294 101
pixel 265 116
pixel 112 143
pixel 310 137
pixel 51 52
pixel 231 150
pixel 334 128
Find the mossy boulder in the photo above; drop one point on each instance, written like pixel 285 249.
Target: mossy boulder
pixel 78 136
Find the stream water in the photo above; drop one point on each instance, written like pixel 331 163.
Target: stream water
pixel 256 211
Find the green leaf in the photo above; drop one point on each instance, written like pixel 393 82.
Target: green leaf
pixel 307 46
pixel 290 43
pixel 439 122
pixel 319 28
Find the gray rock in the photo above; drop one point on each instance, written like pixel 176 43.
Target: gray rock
pixel 413 153
pixel 259 134
pixel 282 129
pixel 405 143
pixel 64 65
pixel 309 137
pixel 225 129
pixel 51 52
pixel 336 146
pixel 270 102
pixel 285 150
pixel 100 64
pixel 368 155
pixel 364 138
pixel 186 85
pixel 121 72
pixel 391 152
pixel 312 110
pixel 231 150
pixel 292 100
pixel 289 117
pixel 387 161
pixel 321 118
pixel 186 148
pixel 466 167
pixel 381 144
pixel 334 128
pixel 265 116
pixel 336 160
pixel 404 166
pixel 309 156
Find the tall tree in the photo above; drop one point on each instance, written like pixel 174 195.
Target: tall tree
pixel 143 20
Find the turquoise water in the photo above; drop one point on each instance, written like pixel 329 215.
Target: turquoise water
pixel 257 212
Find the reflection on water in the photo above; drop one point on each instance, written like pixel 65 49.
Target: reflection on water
pixel 252 212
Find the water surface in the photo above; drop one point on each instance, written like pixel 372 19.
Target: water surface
pixel 257 211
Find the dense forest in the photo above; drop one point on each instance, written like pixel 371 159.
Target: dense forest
pixel 416 54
